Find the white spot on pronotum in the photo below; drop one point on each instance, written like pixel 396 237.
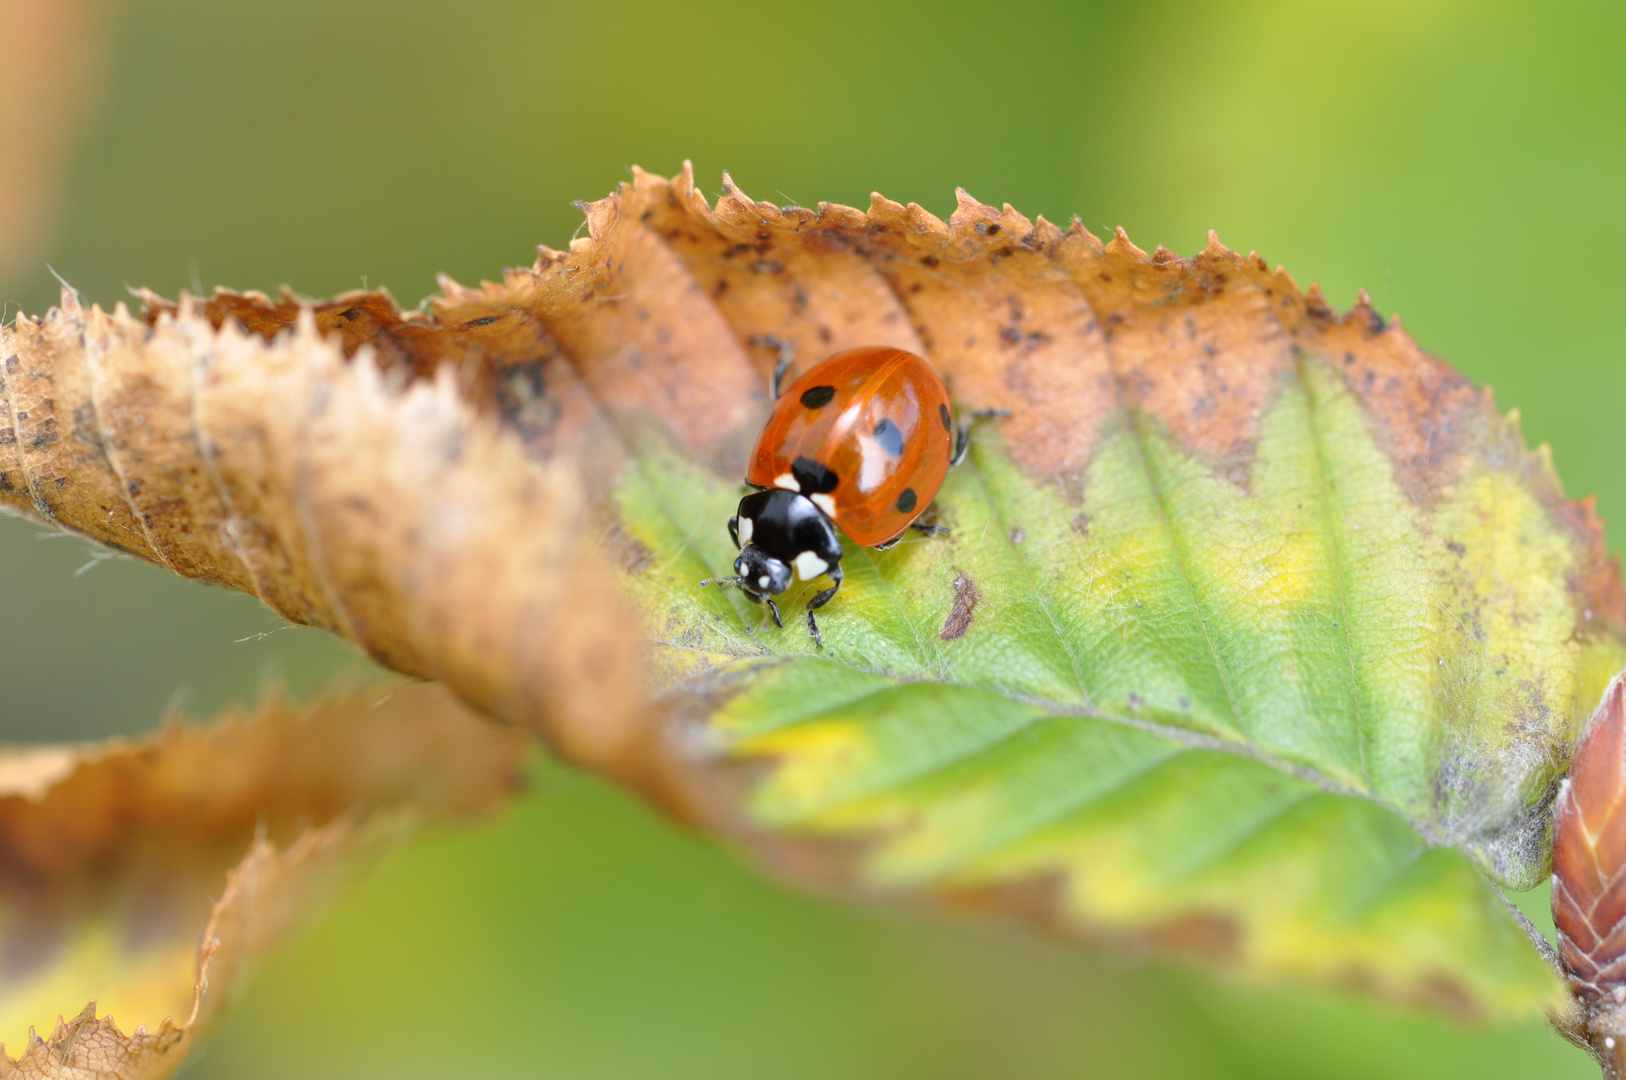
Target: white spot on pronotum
pixel 825 503
pixel 746 527
pixel 786 481
pixel 764 581
pixel 809 566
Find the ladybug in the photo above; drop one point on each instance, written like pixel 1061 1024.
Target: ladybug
pixel 862 440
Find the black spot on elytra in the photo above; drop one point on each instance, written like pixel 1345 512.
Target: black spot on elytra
pixel 813 477
pixel 817 397
pixel 907 501
pixel 948 421
pixel 889 437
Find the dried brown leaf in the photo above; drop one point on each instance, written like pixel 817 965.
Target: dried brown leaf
pixel 440 498
pixel 454 490
pixel 111 857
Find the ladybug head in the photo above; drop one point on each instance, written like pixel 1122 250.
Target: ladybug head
pixel 760 574
pixel 782 535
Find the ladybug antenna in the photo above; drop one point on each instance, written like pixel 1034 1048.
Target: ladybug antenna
pixel 721 581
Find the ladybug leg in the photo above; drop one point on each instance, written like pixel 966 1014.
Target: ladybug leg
pixel 924 530
pixel 819 601
pixel 787 357
pixel 962 439
pixel 774 609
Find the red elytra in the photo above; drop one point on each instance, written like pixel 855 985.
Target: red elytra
pixel 877 420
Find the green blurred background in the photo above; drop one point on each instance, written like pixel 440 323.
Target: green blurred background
pixel 1463 161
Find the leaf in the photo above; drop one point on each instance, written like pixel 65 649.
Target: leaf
pixel 1259 634
pixel 112 856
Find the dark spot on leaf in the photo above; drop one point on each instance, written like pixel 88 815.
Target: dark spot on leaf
pixel 1212 936
pixel 817 397
pixel 1456 547
pixel 813 477
pixel 966 595
pixel 1018 535
pixel 523 402
pixel 906 501
pixel 626 549
pixel 889 437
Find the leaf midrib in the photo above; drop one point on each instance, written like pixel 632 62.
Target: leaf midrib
pixel 1186 738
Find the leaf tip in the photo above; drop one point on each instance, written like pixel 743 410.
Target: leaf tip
pixel 881 206
pixel 1121 245
pixel 971 214
pixel 1162 256
pixel 741 203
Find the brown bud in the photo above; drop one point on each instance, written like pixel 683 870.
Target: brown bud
pixel 1589 880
